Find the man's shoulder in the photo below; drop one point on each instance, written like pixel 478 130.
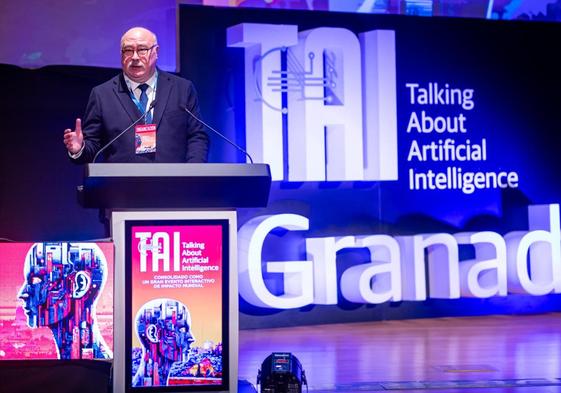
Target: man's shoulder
pixel 173 78
pixel 110 84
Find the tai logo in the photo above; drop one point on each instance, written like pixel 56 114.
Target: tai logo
pixel 320 104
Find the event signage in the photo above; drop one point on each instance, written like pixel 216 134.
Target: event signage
pixel 412 160
pixel 175 306
pixel 323 82
pixel 519 262
pixel 341 110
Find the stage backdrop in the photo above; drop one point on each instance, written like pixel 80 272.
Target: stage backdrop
pixel 339 188
pixel 413 159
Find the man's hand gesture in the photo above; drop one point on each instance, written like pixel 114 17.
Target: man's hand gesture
pixel 73 140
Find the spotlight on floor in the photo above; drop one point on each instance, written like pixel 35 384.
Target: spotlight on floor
pixel 281 372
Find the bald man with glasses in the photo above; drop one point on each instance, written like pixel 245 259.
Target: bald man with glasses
pixel 154 99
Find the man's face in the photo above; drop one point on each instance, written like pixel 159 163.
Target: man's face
pixel 139 67
pixel 40 283
pixel 33 290
pixel 175 341
pixel 171 330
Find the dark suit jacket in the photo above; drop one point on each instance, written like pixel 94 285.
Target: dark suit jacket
pixel 110 110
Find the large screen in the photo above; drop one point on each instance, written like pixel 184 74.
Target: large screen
pixel 413 164
pixel 56 300
pixel 176 322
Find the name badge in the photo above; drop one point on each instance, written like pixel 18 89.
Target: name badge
pixel 145 138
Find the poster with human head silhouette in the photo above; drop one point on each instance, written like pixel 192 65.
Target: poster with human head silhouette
pixel 56 300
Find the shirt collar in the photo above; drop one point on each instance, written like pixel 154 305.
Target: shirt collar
pixel 132 85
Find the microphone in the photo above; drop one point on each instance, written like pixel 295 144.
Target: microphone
pixel 219 134
pixel 152 104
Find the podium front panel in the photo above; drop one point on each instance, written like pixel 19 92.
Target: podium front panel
pixel 176 314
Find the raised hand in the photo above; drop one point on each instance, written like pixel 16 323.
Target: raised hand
pixel 73 140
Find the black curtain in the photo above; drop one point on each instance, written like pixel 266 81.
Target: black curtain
pixel 37 180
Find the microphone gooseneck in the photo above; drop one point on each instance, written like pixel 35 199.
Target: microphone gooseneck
pixel 219 134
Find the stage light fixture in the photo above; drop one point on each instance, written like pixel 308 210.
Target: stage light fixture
pixel 281 372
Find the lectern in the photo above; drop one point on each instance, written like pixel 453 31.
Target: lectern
pixel 176 296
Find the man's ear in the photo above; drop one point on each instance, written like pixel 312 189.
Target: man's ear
pixel 81 284
pixel 153 333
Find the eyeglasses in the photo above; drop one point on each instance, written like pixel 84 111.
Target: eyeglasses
pixel 142 52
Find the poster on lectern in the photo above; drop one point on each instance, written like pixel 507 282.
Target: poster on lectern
pixel 176 302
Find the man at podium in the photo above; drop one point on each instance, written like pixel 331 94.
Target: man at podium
pixel 140 115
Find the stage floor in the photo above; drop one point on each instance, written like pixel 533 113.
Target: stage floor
pixel 494 354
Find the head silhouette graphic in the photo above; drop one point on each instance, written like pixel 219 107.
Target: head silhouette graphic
pixel 163 327
pixel 62 283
